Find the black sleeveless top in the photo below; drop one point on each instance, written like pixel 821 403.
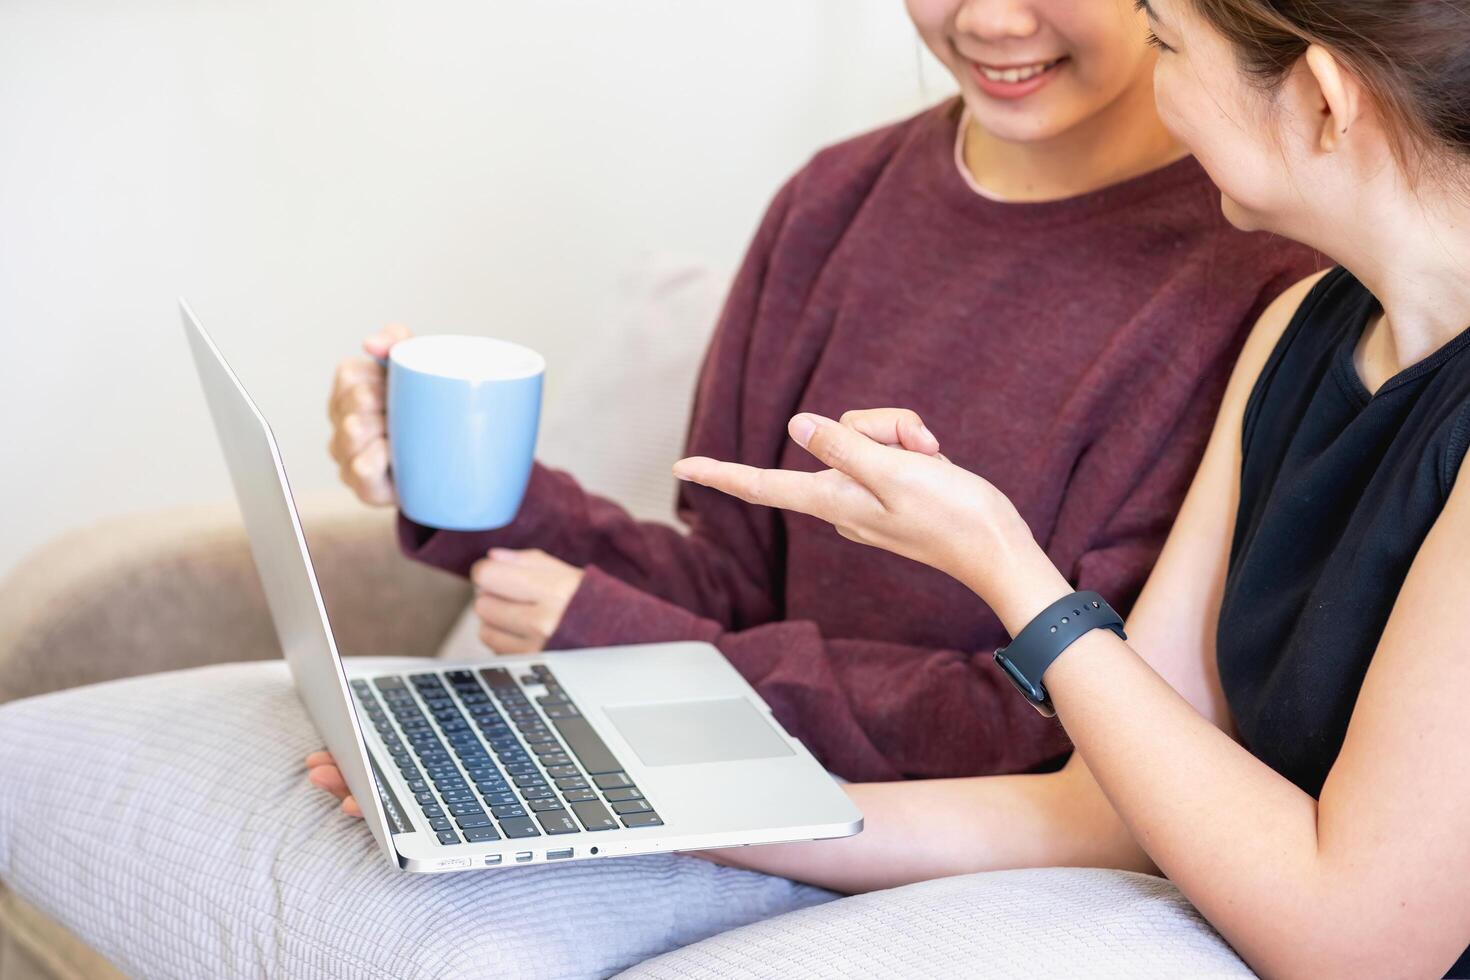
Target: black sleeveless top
pixel 1338 490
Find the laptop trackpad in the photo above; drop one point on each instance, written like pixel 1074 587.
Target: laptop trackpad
pixel 682 732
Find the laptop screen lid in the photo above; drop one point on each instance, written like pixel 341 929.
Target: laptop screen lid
pixel 284 565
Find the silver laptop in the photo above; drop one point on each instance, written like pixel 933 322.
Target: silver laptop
pixel 521 760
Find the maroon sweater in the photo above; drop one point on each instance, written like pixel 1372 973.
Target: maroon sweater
pixel 1072 352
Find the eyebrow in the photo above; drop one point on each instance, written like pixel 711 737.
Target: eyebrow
pixel 1148 10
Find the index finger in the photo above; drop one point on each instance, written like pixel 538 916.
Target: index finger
pixel 381 342
pixel 803 493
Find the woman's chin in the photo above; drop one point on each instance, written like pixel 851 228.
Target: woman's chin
pixel 1240 216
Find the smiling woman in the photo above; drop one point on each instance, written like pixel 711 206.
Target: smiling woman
pixel 1290 695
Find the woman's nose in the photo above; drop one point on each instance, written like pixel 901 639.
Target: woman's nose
pixel 996 20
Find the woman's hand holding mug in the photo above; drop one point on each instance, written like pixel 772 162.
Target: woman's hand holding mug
pixel 358 410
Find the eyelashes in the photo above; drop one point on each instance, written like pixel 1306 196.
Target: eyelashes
pixel 1142 7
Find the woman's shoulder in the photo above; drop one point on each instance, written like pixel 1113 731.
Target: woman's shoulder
pixel 840 176
pixel 1268 337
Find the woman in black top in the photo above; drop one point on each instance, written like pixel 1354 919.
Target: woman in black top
pixel 1285 733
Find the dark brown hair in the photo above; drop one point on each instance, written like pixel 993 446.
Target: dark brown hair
pixel 1412 56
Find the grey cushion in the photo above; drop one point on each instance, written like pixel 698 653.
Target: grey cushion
pixel 1048 922
pixel 166 822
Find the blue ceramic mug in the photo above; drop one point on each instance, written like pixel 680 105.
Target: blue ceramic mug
pixel 462 419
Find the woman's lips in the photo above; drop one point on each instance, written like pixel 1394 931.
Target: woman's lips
pixel 1014 81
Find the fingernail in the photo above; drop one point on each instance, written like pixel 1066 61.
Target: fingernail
pixel 924 429
pixel 802 428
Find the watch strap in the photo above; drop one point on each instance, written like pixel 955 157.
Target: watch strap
pixel 1044 638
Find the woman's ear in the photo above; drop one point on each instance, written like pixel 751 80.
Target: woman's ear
pixel 1337 96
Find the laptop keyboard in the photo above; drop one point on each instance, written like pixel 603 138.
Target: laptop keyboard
pixel 442 737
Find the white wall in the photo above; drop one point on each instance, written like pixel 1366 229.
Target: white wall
pixel 304 171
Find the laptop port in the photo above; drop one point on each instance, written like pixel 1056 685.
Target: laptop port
pixel 523 856
pixel 565 852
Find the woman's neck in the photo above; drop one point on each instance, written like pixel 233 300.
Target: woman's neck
pixel 1124 140
pixel 1411 248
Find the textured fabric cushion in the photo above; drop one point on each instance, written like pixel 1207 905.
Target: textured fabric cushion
pixel 618 406
pixel 1047 922
pixel 166 821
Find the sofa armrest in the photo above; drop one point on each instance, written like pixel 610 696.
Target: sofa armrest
pixel 178 588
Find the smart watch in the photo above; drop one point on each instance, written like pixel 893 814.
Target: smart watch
pixel 1045 637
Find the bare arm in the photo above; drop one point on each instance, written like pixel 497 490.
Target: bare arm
pixel 1063 818
pixel 1367 881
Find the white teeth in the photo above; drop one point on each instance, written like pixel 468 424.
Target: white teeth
pixel 1013 75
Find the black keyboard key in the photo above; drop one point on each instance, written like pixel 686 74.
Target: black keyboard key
pixel 556 759
pixel 508 810
pixel 497 678
pixel 630 806
pixel 386 684
pixel 562 772
pixel 646 819
pixel 594 816
pixel 424 798
pixel 561 711
pixel 433 811
pixel 546 748
pixel 527 780
pixel 459 809
pixel 557 822
pixel 542 792
pixel 625 793
pixel 612 780
pixel 448 837
pixel 516 769
pixel 481 834
pixel 505 798
pixel 574 782
pixel 541 806
pixel 519 827
pixel 589 747
pixel 579 795
pixel 458 796
pixel 440 823
pixel 474 820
